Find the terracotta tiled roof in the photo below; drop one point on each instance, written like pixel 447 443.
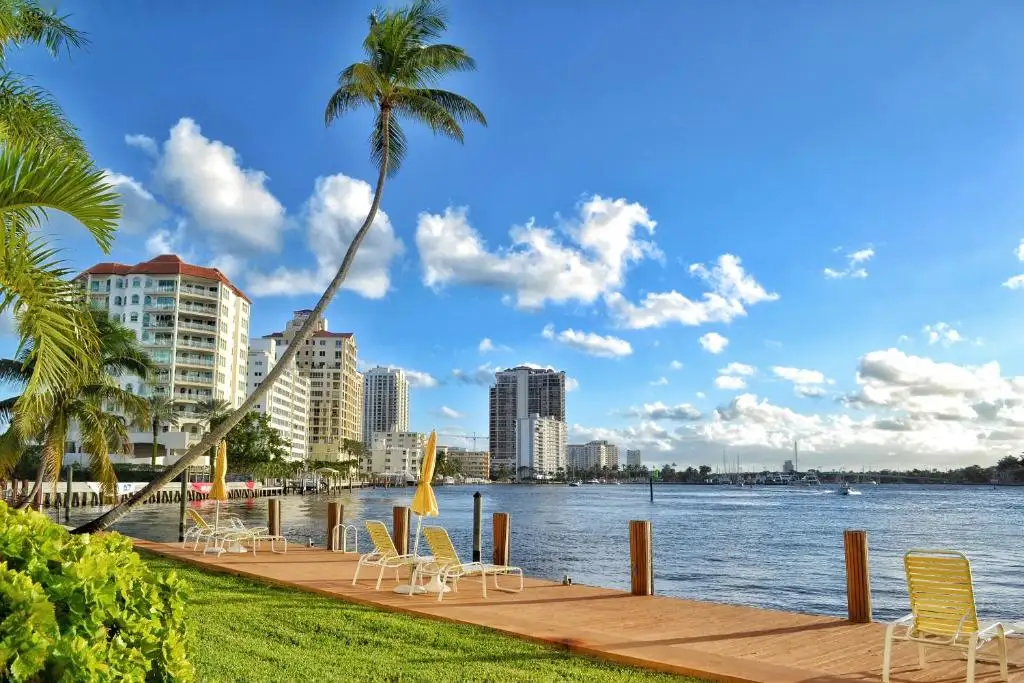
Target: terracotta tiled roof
pixel 167 264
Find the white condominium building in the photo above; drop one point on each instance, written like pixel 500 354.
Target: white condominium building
pixel 287 401
pixel 541 446
pixel 593 455
pixel 195 325
pixel 328 360
pixel 385 402
pixel 396 453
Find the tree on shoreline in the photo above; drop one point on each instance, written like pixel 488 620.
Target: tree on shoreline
pixel 403 61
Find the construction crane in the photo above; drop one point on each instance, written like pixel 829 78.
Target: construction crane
pixel 474 438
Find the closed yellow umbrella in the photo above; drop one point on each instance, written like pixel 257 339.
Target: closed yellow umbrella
pixel 219 490
pixel 424 503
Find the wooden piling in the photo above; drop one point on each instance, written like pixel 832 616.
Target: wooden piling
pixel 333 520
pixel 858 581
pixel 182 505
pixel 641 558
pixel 502 525
pixel 274 516
pixel 478 522
pixel 400 529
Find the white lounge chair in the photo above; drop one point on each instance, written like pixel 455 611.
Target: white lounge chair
pixel 201 530
pixel 384 554
pixel 942 611
pixel 447 566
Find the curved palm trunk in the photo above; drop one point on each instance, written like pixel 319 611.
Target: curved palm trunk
pixel 27 500
pixel 216 434
pixel 156 436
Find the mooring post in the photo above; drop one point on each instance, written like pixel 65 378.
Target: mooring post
pixel 641 558
pixel 67 495
pixel 274 516
pixel 858 581
pixel 400 529
pixel 333 519
pixel 502 538
pixel 182 504
pixel 478 522
pixel 650 481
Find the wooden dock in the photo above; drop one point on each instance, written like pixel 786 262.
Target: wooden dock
pixel 707 640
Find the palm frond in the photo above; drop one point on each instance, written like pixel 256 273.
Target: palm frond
pixel 13 371
pixel 32 182
pixel 25 21
pixel 12 449
pixel 427 64
pixel 30 115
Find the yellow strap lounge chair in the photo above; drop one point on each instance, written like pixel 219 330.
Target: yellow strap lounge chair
pixel 201 530
pixel 942 611
pixel 384 554
pixel 448 567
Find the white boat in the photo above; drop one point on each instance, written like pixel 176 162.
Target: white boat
pixel 575 483
pixel 844 489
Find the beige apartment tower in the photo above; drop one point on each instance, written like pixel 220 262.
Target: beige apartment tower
pixel 328 360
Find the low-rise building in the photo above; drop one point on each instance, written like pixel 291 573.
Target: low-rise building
pixel 395 453
pixel 472 464
pixel 593 455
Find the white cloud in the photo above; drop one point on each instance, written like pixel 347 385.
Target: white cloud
pixel 223 197
pixel 140 210
pixel 488 346
pixel 700 394
pixel 730 382
pixel 739 369
pixel 229 264
pixel 167 241
pixel 684 412
pixel 334 213
pixel 482 375
pixel 589 342
pixel 143 142
pixel 571 384
pixel 579 262
pixel 732 290
pixel 855 262
pixel 660 382
pixel 712 342
pixel 675 365
pixel 450 413
pixel 805 382
pixel 418 379
pixel 942 333
pixel 1015 282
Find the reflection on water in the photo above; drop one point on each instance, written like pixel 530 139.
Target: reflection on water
pixel 771 547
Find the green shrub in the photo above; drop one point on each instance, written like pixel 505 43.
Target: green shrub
pixel 85 608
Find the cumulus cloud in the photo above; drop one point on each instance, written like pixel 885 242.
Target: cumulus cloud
pixel 589 342
pixel 660 382
pixel 730 382
pixel 942 333
pixel 730 377
pixel 483 375
pixel 805 382
pixel 684 412
pixel 488 346
pixel 143 142
pixel 207 178
pixel 571 384
pixel 675 365
pixel 578 262
pixel 445 411
pixel 855 265
pixel 731 291
pixel 712 342
pixel 334 213
pixel 140 210
pixel 1017 281
pixel 417 378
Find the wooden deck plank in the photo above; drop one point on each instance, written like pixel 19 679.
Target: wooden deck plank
pixel 710 640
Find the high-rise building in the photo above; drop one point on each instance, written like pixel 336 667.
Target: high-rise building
pixel 520 393
pixel 787 467
pixel 195 325
pixel 396 453
pixel 385 402
pixel 593 455
pixel 541 445
pixel 328 360
pixel 633 457
pixel 286 403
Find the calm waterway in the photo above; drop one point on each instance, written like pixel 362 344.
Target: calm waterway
pixel 775 547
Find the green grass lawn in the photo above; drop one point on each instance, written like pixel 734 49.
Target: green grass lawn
pixel 246 631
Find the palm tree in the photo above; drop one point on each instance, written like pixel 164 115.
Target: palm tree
pixel 162 412
pixel 29 114
pixel 402 61
pixel 212 412
pixel 96 403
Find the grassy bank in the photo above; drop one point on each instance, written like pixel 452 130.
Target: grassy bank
pixel 247 631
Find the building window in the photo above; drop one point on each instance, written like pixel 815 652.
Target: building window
pixel 136 281
pixel 135 298
pixel 135 317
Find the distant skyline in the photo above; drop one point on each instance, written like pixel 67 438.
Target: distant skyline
pixel 732 227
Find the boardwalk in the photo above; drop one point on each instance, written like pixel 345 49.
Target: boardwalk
pixel 719 642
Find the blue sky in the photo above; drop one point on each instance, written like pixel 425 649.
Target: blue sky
pixel 881 141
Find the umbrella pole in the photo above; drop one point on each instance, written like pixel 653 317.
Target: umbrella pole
pixel 416 539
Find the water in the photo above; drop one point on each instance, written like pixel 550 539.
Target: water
pixel 771 547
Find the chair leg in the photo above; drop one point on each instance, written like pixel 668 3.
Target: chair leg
pixel 359 565
pixel 1004 669
pixel 444 582
pixel 972 656
pixel 412 580
pixel 887 653
pixel 920 655
pixel 380 576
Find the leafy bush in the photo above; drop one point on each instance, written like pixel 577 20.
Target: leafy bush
pixel 85 608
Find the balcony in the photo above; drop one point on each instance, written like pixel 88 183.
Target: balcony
pixel 198 310
pixel 164 289
pixel 162 341
pixel 202 292
pixel 194 377
pixel 193 395
pixel 193 344
pixel 200 327
pixel 198 361
pixel 159 323
pixel 158 307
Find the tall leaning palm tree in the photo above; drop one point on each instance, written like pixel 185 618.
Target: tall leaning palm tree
pixel 162 413
pixel 403 62
pixel 212 412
